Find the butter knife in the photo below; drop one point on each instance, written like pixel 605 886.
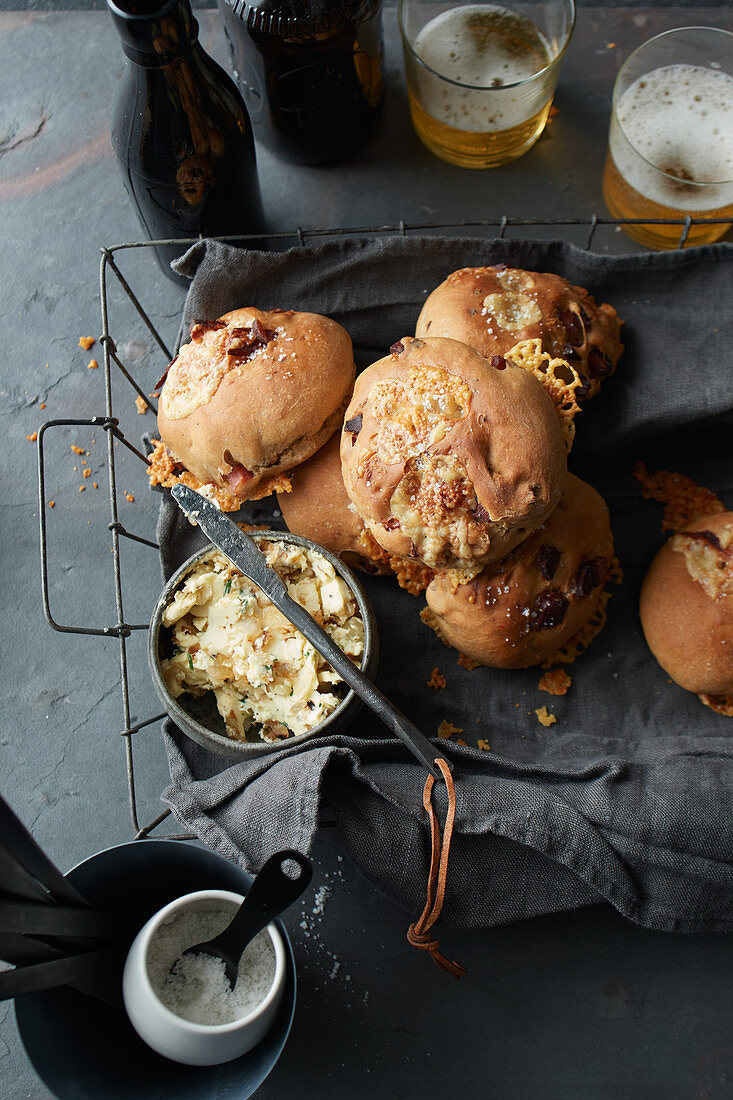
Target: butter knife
pixel 242 553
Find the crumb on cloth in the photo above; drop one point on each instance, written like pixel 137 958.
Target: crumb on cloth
pixel 446 729
pixel 555 682
pixel 483 745
pixel 437 680
pixel 544 717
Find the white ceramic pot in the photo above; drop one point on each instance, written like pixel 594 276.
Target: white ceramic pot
pixel 171 1035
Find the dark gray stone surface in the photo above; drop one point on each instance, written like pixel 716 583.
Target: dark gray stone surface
pixel 574 1007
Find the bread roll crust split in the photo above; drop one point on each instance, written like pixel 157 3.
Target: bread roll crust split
pixel 449 459
pixel 254 394
pixel 690 629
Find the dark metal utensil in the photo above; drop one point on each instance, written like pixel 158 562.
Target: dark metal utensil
pixel 23 950
pixel 16 883
pixel 63 971
pixel 39 919
pixel 271 892
pixel 22 849
pixel 48 930
pixel 242 552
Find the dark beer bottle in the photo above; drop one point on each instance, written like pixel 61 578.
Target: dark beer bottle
pixel 180 131
pixel 309 71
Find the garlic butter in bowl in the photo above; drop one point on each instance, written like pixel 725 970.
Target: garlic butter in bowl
pixel 229 668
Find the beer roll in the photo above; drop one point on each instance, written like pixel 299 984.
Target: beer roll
pixel 686 606
pixel 519 611
pixel 252 395
pixel 493 308
pixel 318 508
pixel 448 459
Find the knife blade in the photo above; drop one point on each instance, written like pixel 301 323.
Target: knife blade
pixel 244 554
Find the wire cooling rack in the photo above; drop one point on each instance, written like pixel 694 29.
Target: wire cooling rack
pixel 120 628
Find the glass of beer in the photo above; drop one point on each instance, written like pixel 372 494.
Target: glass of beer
pixel 480 77
pixel 670 146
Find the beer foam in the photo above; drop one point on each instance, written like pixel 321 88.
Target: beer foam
pixel 482 46
pixel 680 119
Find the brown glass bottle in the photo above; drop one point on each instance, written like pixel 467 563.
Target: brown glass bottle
pixel 309 71
pixel 181 131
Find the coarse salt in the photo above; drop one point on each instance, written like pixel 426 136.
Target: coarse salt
pixel 195 987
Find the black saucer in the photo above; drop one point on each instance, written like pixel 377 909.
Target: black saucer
pixel 84 1049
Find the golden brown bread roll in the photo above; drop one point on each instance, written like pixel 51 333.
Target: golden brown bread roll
pixel 492 308
pixel 254 394
pixel 318 508
pixel 686 606
pixel 448 459
pixel 519 612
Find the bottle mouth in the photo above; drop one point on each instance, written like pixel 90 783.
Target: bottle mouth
pixel 154 33
pixel 141 9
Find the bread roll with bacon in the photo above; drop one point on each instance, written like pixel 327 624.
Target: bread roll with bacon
pixel 252 395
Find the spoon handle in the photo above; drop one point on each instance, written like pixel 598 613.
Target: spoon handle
pixel 269 895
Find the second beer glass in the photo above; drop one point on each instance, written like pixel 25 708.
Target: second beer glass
pixel 480 77
pixel 670 146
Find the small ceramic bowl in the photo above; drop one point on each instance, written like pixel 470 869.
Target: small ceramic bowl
pixel 199 719
pixel 174 1037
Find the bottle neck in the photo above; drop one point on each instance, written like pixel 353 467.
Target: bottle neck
pixel 154 33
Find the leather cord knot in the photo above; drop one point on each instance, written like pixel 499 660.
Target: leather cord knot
pixel 418 934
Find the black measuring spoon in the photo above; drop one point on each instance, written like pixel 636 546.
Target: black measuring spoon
pixel 272 891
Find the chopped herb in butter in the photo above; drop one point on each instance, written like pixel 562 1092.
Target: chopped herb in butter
pixel 267 680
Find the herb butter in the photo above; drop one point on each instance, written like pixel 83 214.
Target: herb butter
pixel 228 638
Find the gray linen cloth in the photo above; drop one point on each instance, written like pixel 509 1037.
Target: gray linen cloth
pixel 628 797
